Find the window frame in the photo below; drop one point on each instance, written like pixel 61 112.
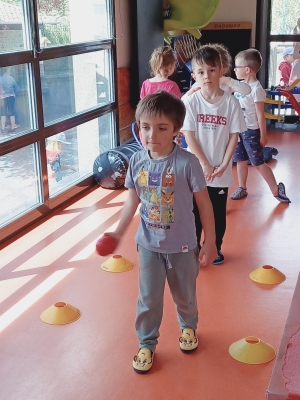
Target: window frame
pixel 33 58
pixel 263 37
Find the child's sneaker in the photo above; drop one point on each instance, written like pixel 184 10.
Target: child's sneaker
pixel 219 259
pixel 239 194
pixel 142 361
pixel 188 341
pixel 282 197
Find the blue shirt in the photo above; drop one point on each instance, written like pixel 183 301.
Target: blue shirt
pixel 8 86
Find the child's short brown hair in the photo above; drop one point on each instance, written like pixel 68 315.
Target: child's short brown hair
pixel 207 54
pixel 161 103
pixel 252 59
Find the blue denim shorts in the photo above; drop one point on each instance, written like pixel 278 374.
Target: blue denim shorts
pixel 249 148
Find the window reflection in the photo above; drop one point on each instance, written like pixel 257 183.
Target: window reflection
pixel 16 101
pixel 278 57
pixel 68 21
pixel 71 154
pixel 285 16
pixel 12 26
pixel 20 183
pixel 74 84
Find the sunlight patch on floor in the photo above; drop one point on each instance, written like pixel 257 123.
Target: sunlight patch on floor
pixel 10 286
pixel 89 200
pixel 21 306
pixel 68 240
pixel 23 244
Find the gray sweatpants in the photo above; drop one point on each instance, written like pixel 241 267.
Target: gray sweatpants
pixel 181 271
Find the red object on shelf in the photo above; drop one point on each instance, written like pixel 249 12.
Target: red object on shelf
pixel 106 245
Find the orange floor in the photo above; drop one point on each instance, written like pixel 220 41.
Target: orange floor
pixel 90 359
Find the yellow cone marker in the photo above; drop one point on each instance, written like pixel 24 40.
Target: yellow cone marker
pixel 60 313
pixel 117 263
pixel 267 274
pixel 252 350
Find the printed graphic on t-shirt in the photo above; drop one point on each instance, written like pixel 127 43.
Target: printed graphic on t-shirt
pixel 211 122
pixel 168 178
pixel 238 95
pixel 143 177
pixel 154 178
pixel 157 193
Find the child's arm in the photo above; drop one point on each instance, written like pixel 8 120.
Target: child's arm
pixel 208 250
pixel 260 113
pixel 193 89
pixel 235 86
pixel 127 214
pixel 233 139
pixel 196 149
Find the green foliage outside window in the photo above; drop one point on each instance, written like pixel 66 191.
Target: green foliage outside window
pixel 59 32
pixel 284 16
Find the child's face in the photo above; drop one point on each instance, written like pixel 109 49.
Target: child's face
pixel 167 70
pixel 289 58
pixel 157 134
pixel 240 69
pixel 207 76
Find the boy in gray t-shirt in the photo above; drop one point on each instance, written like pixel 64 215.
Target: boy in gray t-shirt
pixel 164 178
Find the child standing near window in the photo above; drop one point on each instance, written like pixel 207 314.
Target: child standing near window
pixel 285 67
pixel 164 178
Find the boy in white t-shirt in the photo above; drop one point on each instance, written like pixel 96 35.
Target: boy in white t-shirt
pixel 251 143
pixel 211 127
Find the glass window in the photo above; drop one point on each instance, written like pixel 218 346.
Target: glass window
pixel 71 21
pixel 285 17
pixel 20 183
pixel 278 67
pixel 16 101
pixel 13 30
pixel 74 84
pixel 71 154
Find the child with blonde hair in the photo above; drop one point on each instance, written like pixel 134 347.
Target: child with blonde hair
pixel 162 63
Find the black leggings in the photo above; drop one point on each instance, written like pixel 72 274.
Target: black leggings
pixel 218 198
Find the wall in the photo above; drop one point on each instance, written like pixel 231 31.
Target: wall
pixel 122 18
pixel 126 112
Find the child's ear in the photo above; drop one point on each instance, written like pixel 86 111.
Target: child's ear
pixel 175 133
pixel 193 76
pixel 222 72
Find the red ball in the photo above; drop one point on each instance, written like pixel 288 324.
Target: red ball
pixel 106 245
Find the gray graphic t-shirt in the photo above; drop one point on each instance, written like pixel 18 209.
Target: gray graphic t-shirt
pixel 166 187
